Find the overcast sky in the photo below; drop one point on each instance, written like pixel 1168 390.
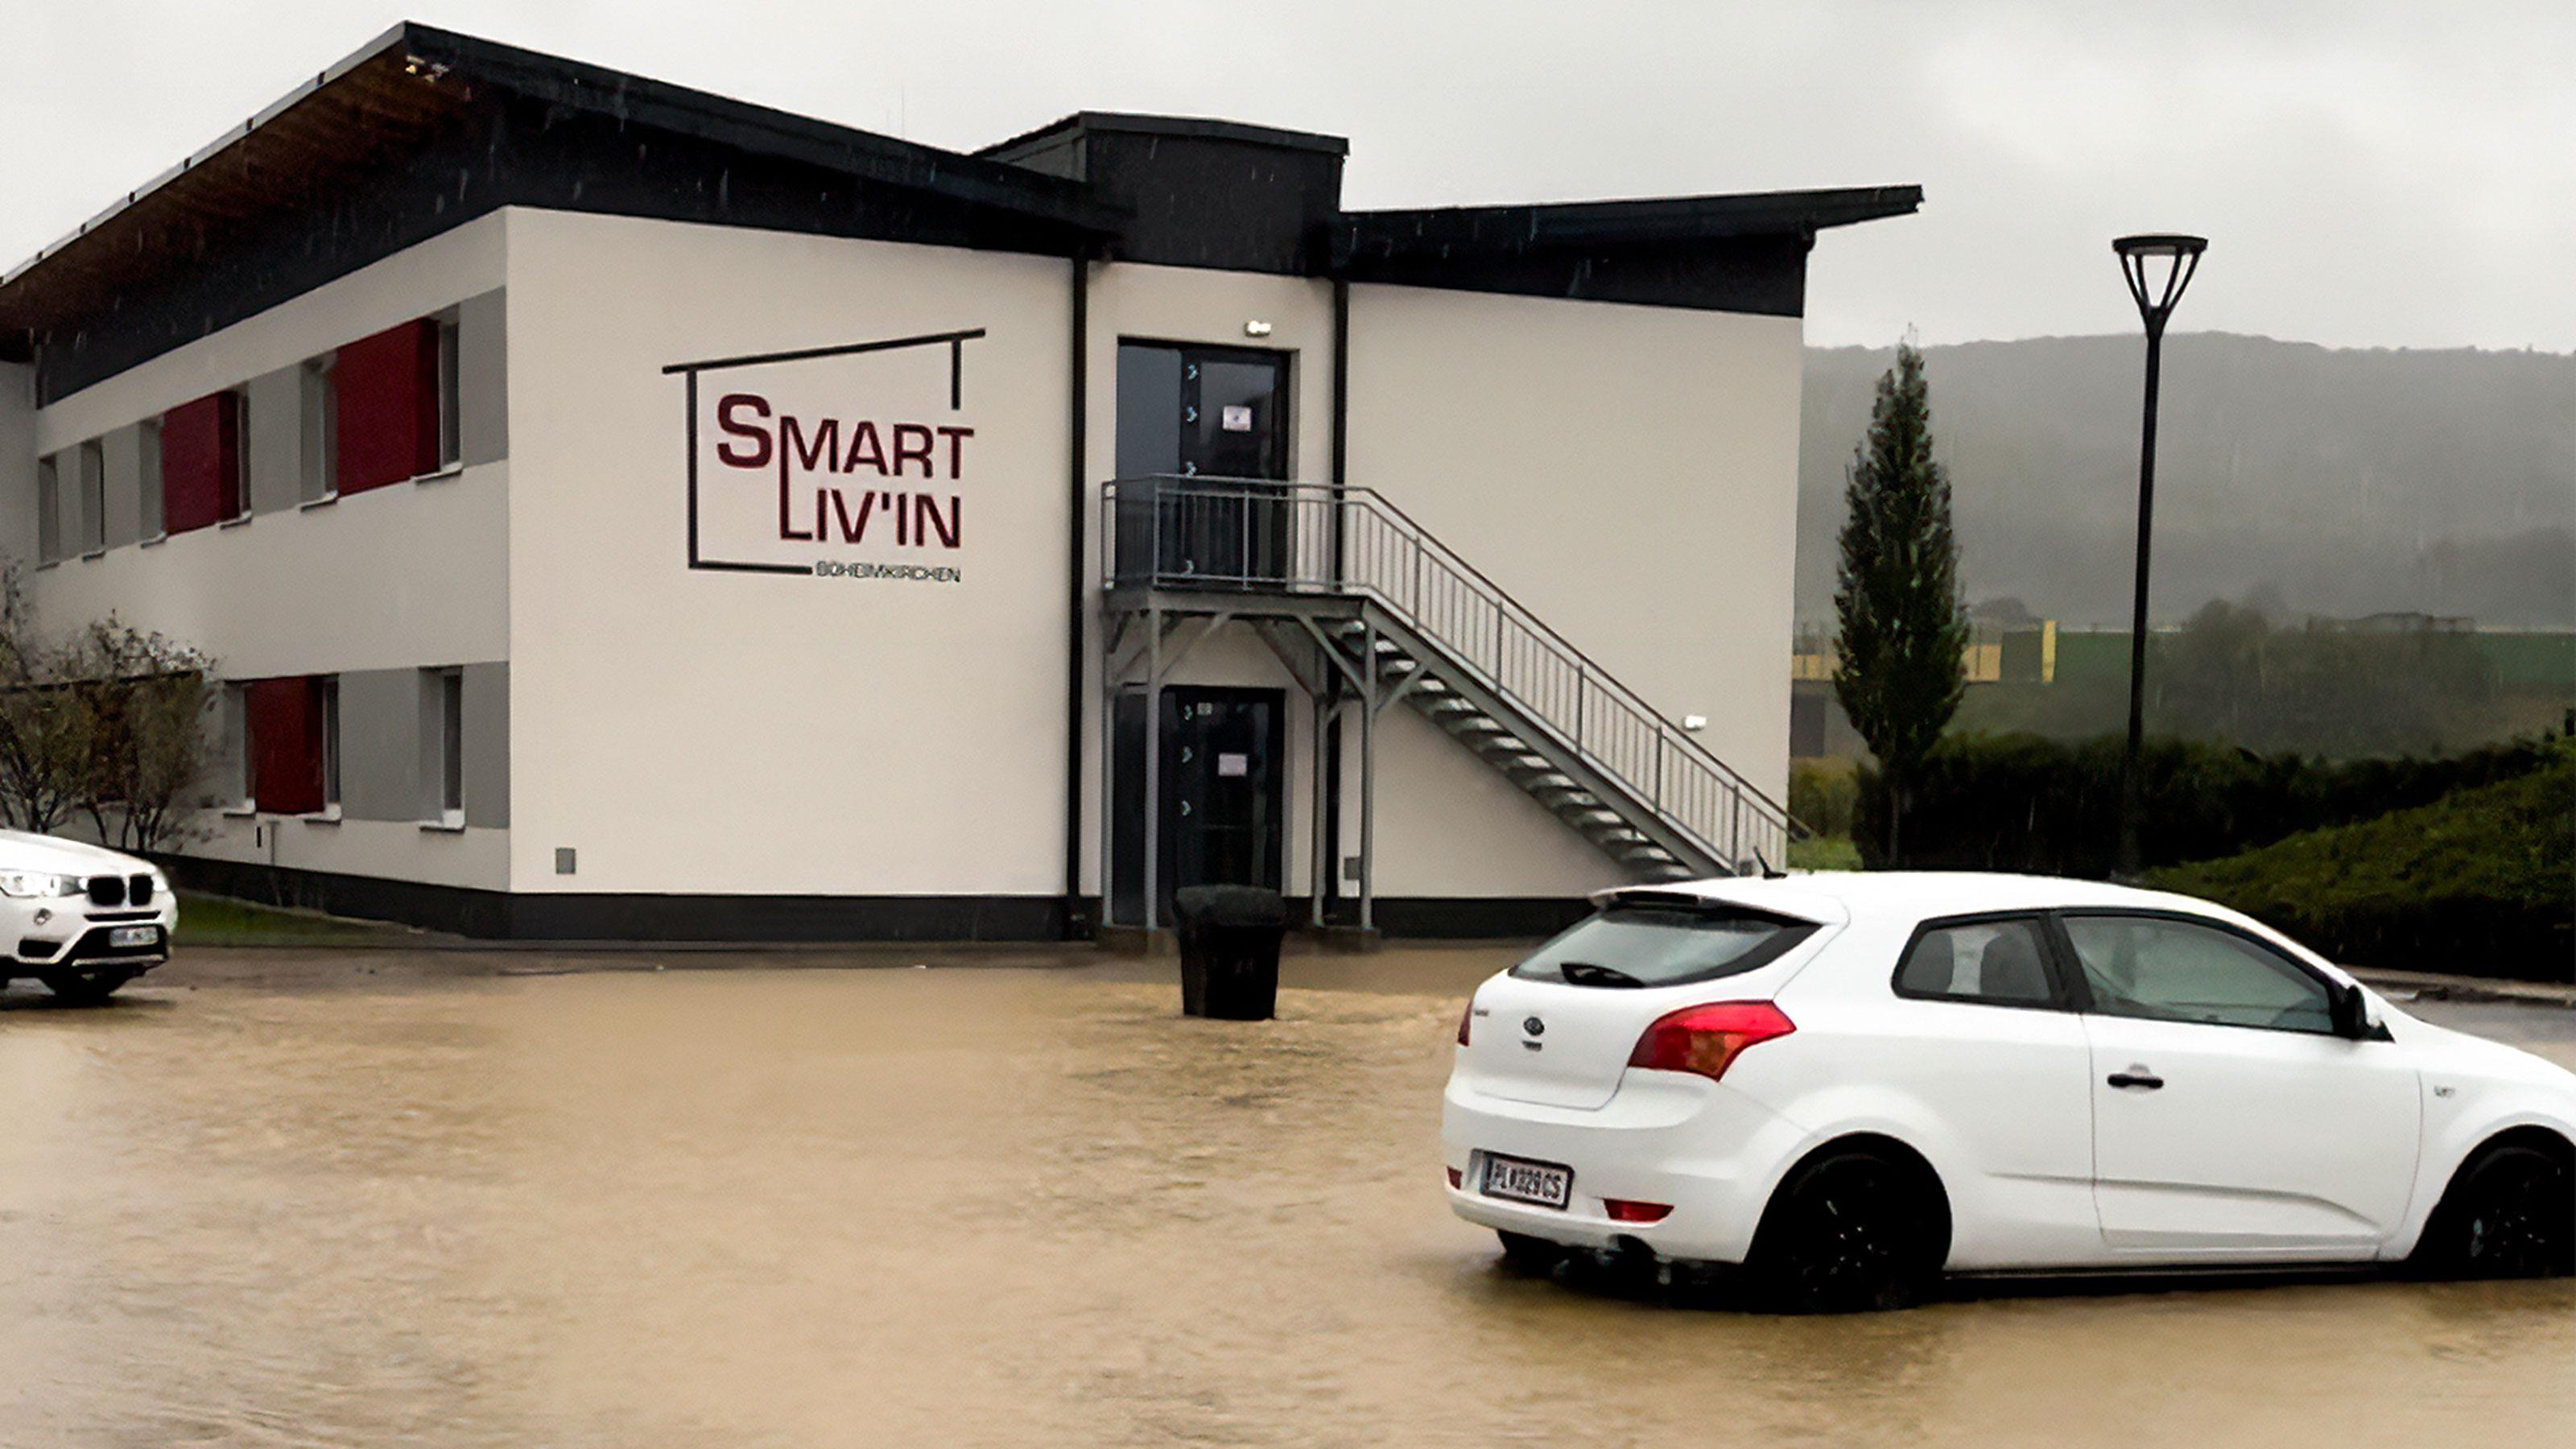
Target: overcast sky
pixel 2370 172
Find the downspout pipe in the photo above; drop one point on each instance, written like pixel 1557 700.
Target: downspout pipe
pixel 1078 925
pixel 1329 889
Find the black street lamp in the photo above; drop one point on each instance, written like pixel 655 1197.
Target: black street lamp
pixel 2157 268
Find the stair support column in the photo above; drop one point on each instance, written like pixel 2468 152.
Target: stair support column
pixel 1368 779
pixel 1153 765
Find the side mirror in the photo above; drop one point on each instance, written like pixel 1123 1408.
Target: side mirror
pixel 2349 1009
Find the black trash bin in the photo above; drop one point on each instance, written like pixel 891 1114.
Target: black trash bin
pixel 1230 950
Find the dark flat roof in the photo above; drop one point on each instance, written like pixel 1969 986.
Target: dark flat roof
pixel 422 129
pixel 1134 123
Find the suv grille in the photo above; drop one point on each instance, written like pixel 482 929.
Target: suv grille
pixel 112 891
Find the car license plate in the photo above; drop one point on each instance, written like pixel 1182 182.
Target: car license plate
pixel 1542 1183
pixel 127 938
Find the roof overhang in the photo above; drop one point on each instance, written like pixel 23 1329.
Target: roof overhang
pixel 404 87
pixel 1594 225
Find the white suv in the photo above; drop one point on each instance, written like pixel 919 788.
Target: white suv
pixel 1850 1084
pixel 81 919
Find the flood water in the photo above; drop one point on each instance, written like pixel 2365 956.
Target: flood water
pixel 988 1206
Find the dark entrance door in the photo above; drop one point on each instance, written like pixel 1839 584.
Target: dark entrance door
pixel 1222 787
pixel 1212 414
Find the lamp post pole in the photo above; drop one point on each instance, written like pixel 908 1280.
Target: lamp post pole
pixel 2155 297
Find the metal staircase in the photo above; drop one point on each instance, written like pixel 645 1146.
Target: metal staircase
pixel 1596 804
pixel 1361 601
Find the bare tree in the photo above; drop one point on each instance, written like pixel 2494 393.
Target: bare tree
pixel 112 726
pixel 40 749
pixel 141 702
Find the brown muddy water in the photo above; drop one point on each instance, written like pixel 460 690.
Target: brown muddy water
pixel 298 1204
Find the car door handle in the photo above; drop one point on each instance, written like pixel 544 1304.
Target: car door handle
pixel 2147 1080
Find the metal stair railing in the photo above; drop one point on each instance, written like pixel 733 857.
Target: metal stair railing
pixel 1251 535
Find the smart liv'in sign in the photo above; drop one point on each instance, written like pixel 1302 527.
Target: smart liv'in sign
pixel 853 461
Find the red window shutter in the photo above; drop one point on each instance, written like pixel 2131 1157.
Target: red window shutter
pixel 201 463
pixel 286 744
pixel 386 391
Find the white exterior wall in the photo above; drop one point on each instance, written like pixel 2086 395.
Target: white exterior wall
pixel 1626 472
pixel 702 732
pixel 411 575
pixel 1471 411
pixel 1629 473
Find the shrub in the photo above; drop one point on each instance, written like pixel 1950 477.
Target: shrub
pixel 2479 883
pixel 1823 794
pixel 2024 803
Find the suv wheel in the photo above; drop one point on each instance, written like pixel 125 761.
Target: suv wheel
pixel 1843 1235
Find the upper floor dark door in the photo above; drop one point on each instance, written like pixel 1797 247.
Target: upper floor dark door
pixel 1214 413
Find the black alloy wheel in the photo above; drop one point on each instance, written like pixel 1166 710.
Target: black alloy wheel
pixel 84 988
pixel 1845 1236
pixel 2513 1215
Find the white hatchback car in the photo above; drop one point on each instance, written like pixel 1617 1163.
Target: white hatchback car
pixel 81 919
pixel 1851 1084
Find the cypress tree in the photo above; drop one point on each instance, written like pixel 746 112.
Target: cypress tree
pixel 1903 625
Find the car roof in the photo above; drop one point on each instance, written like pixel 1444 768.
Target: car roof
pixel 1836 897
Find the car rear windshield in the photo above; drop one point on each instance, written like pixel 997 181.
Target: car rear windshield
pixel 1656 945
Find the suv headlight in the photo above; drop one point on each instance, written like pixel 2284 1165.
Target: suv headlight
pixel 38 885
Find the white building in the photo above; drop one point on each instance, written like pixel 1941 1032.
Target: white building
pixel 622 512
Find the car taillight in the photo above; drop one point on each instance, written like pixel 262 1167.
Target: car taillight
pixel 1708 1039
pixel 1456 1177
pixel 1622 1210
pixel 1466 1018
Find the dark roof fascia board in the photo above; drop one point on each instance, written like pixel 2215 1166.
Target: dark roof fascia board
pixel 759 128
pixel 1202 128
pixel 207 152
pixel 768 131
pixel 1447 230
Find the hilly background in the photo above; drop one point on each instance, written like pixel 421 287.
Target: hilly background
pixel 2305 479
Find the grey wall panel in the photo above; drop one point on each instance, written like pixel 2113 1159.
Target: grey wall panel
pixel 275 403
pixel 483 379
pixel 124 494
pixel 487 744
pixel 18 463
pixel 380 744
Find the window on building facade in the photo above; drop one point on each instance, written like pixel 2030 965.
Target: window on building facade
pixel 320 434
pixel 203 449
pixel 328 688
pixel 233 484
pixel 148 443
pixel 241 784
pixel 385 398
pixel 93 496
pixel 446 713
pixel 451 432
pixel 292 743
pixel 49 511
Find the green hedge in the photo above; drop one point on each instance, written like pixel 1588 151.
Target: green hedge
pixel 1823 794
pixel 2480 883
pixel 2024 803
